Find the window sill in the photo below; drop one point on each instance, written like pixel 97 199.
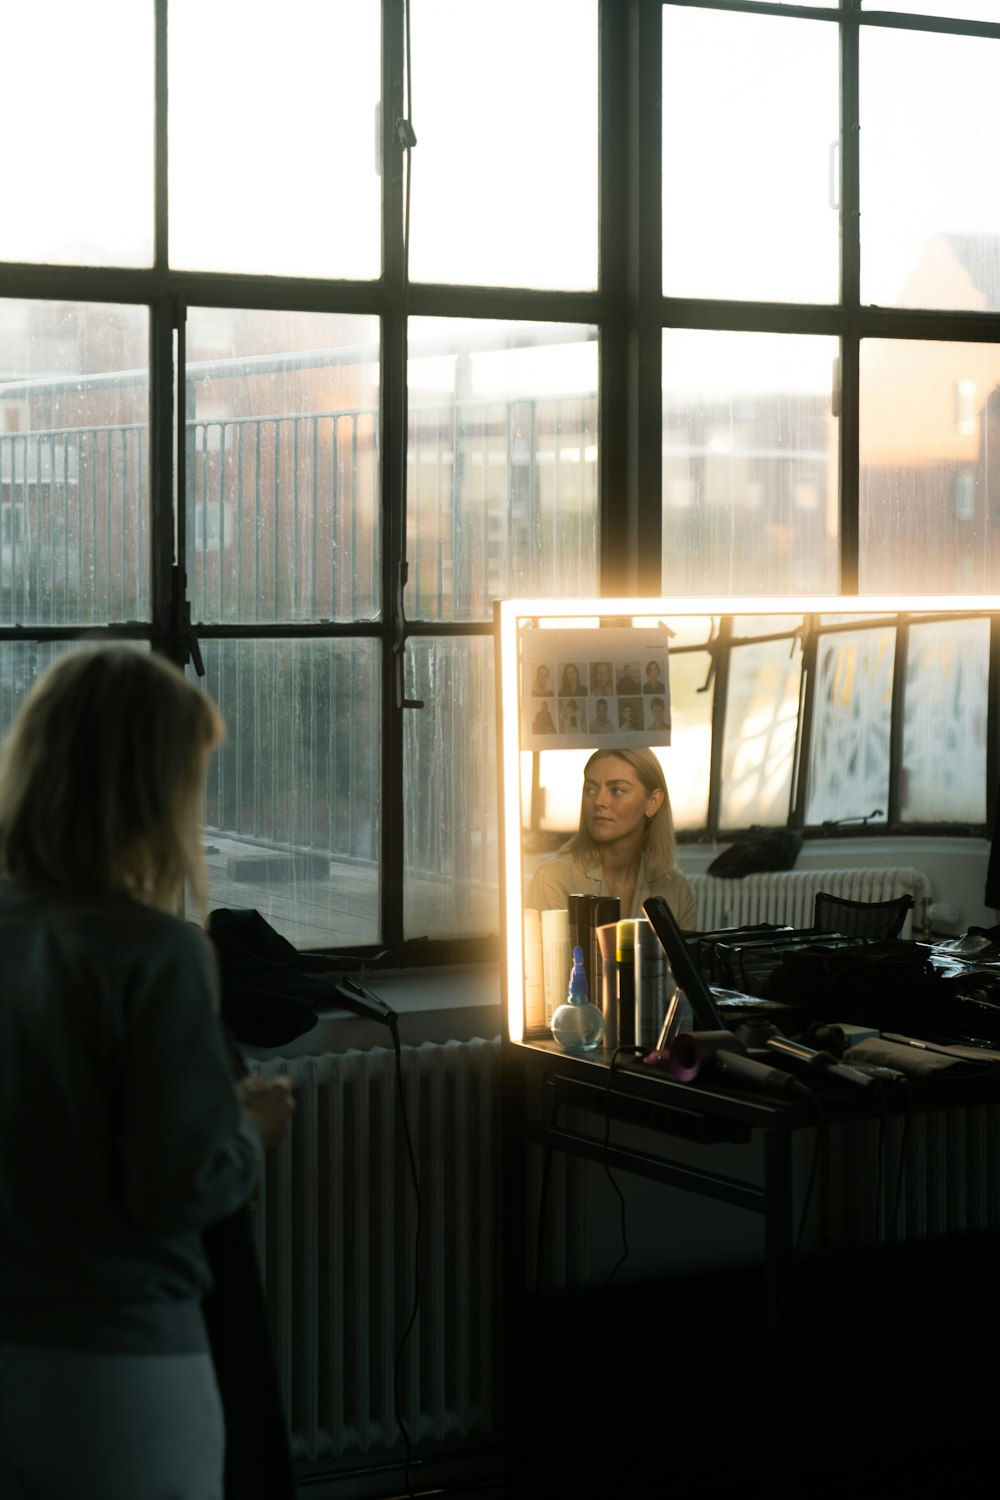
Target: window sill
pixel 433 1005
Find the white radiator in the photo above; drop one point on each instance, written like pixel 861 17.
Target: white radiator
pixel 335 1236
pixel 789 897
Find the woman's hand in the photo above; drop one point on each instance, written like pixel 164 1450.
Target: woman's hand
pixel 270 1103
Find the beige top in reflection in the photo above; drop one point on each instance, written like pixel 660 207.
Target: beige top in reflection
pixel 562 876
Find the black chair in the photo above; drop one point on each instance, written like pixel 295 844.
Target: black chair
pixel 870 919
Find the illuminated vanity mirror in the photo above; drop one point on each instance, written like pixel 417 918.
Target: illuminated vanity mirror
pixel 823 712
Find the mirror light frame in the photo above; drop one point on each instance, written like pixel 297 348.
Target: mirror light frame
pixel 509 617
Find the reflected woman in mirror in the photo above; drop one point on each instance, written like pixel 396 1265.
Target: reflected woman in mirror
pixel 625 844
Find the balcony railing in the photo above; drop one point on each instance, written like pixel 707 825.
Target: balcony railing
pixel 283 526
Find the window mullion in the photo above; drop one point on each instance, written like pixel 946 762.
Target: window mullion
pixel 164 460
pixel 849 376
pixel 393 479
pixel 644 225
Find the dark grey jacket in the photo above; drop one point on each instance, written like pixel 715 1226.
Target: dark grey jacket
pixel 121 1136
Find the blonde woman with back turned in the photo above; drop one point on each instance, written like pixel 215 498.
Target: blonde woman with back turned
pixel 122 1135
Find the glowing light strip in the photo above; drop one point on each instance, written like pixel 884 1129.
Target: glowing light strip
pixel 510 775
pixel 583 613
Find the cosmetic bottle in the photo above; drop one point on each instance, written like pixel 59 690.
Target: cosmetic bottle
pixel 650 984
pixel 604 910
pixel 625 954
pixel 607 939
pixel 577 1025
pixel 555 956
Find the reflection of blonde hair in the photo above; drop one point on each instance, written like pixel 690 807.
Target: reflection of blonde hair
pixel 658 842
pixel 101 777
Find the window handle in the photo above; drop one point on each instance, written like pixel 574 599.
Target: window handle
pixel 185 635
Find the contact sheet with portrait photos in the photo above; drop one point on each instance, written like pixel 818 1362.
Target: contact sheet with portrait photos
pixel 584 688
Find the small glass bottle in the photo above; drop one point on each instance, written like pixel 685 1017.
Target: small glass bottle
pixel 577 1025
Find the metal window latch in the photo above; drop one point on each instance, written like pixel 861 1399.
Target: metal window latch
pixel 192 650
pixel 185 635
pixel 399 640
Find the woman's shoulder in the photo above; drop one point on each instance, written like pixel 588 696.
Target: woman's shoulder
pixel 667 882
pixel 675 889
pixel 555 878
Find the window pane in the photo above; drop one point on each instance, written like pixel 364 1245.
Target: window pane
pixel 849 756
pixel 751 124
pixel 762 710
pixel 749 463
pixel 944 734
pixel 283 486
pixel 74 463
pixel 929 516
pixel 502 465
pixel 272 127
pixel 76 119
pixel 505 170
pixel 294 792
pixel 449 790
pixel 930 198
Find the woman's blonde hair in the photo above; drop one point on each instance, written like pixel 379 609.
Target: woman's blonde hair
pixel 102 774
pixel 658 842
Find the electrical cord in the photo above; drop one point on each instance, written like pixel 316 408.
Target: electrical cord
pixel 793 1264
pixel 546 1174
pixel 607 1165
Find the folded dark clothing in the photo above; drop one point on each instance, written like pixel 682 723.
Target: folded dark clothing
pixel 269 995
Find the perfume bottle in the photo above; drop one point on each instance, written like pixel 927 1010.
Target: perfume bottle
pixel 577 1025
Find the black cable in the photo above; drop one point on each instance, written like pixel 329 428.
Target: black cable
pixel 793 1264
pixel 607 1165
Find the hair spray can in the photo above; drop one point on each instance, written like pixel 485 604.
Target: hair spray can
pixel 625 954
pixel 650 984
pixel 606 938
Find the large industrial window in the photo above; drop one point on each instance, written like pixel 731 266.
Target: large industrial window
pixel 642 310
